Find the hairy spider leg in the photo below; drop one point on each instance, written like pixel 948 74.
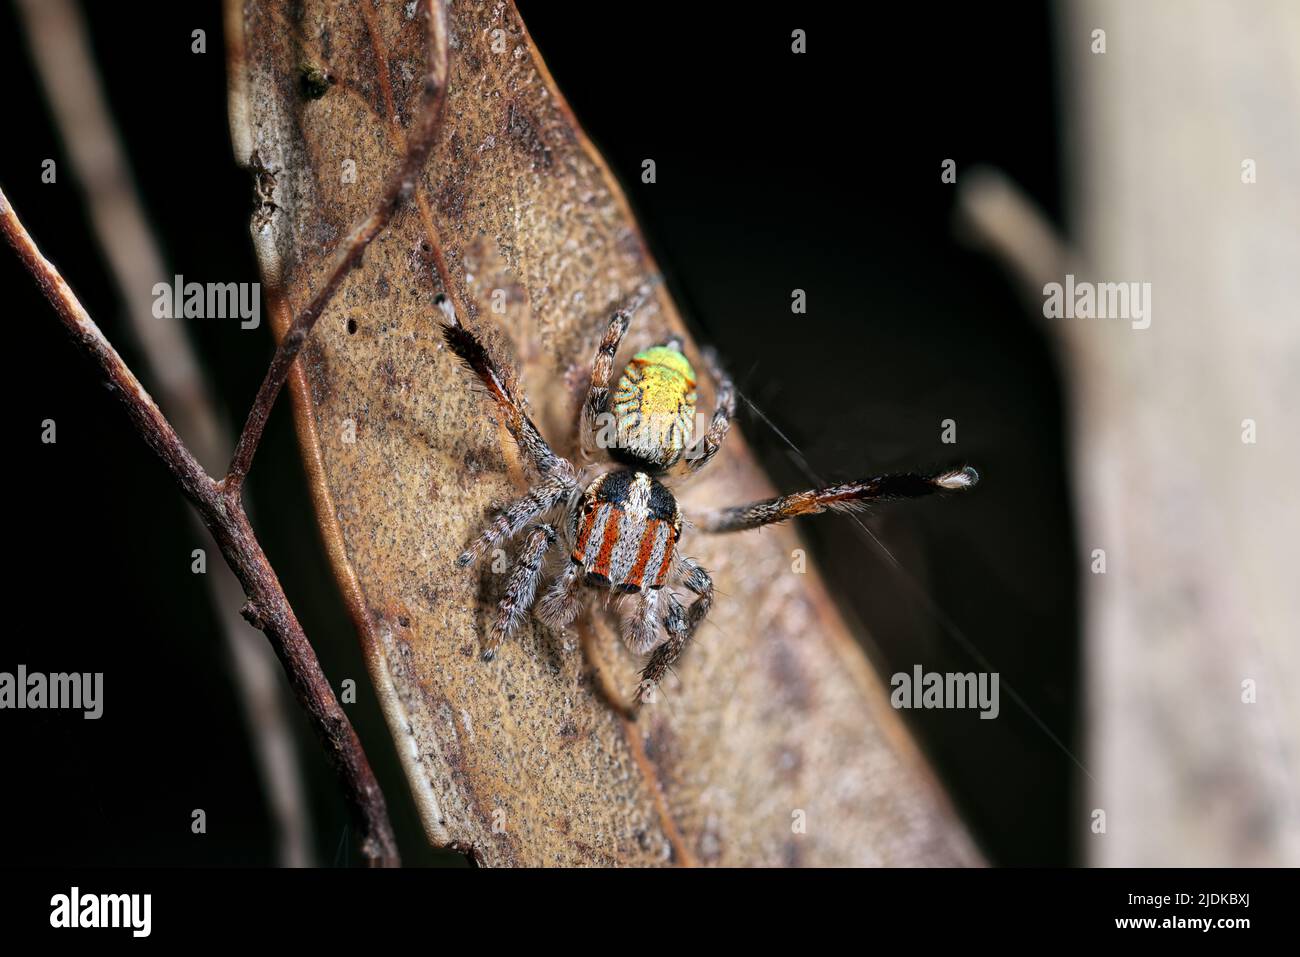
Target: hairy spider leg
pixel 602 370
pixel 501 387
pixel 724 409
pixel 543 497
pixel 563 600
pixel 680 623
pixel 558 476
pixel 640 624
pixel 844 498
pixel 518 598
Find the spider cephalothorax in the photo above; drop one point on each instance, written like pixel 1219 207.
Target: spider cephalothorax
pixel 622 530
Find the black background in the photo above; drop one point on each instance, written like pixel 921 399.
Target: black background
pixel 774 172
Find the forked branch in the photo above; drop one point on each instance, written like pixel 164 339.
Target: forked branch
pixel 218 503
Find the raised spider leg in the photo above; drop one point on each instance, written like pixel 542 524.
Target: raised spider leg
pixel 558 478
pixel 602 370
pixel 680 624
pixel 724 408
pixel 500 385
pixel 843 498
pixel 514 605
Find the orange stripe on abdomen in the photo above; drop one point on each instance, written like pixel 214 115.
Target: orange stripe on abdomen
pixel 670 546
pixel 580 549
pixel 608 542
pixel 643 554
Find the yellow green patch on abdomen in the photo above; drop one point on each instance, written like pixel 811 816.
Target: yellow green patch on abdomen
pixel 654 407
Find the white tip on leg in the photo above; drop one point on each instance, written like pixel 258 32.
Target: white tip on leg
pixel 962 478
pixel 448 310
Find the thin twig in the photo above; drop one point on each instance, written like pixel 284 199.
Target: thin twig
pixel 219 502
pixel 267 608
pixel 398 188
pixel 61 52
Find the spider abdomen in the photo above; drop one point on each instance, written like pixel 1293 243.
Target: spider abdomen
pixel 627 533
pixel 654 408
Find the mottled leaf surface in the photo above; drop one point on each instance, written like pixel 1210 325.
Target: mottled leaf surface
pixel 774 716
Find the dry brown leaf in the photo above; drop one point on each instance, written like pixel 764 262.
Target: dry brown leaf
pixel 775 717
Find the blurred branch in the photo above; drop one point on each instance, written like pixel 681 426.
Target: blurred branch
pixel 1180 149
pixel 57 37
pixel 1198 608
pixel 995 216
